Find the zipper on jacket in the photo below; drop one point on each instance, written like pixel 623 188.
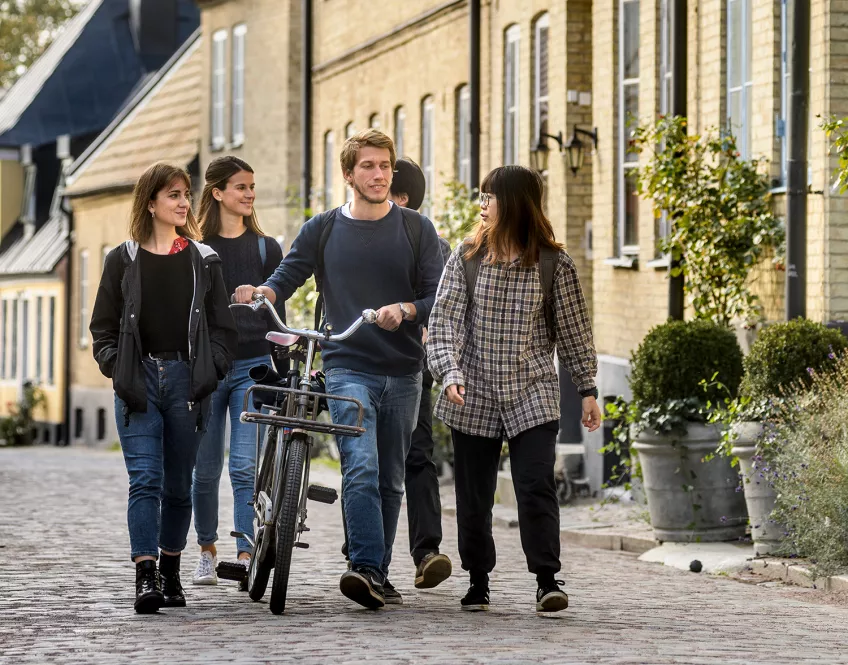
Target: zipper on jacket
pixel 190 312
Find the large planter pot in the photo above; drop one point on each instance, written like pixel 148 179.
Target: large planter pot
pixel 759 495
pixel 690 500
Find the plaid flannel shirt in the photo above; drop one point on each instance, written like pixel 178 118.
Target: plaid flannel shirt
pixel 499 349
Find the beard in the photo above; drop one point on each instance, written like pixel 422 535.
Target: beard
pixel 370 199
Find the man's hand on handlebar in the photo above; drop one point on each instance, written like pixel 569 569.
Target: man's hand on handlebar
pixel 245 294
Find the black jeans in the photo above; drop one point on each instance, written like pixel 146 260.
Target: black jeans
pixel 423 505
pixel 531 454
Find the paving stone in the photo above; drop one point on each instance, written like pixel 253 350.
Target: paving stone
pixel 66 586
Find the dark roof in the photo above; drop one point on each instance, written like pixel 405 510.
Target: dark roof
pixel 77 86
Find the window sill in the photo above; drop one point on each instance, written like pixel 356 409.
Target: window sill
pixel 661 263
pixel 623 262
pixel 216 147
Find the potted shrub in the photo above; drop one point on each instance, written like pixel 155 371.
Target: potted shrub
pixel 782 362
pixel 691 492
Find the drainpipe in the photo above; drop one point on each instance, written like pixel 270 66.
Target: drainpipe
pixel 796 176
pixel 66 370
pixel 678 107
pixel 474 89
pixel 306 109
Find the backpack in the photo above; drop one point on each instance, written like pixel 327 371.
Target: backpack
pixel 263 254
pixel 411 224
pixel 547 265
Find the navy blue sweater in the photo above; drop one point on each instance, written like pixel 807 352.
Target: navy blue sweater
pixel 367 264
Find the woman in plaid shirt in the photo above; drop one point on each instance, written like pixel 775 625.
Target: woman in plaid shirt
pixel 494 355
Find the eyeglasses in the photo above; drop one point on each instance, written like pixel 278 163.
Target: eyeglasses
pixel 485 197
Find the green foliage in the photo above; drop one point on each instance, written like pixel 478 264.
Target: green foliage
pixel 837 130
pixel 805 459
pixel 27 28
pixel 16 429
pixel 675 357
pixel 460 213
pixel 722 222
pixel 300 308
pixel 784 353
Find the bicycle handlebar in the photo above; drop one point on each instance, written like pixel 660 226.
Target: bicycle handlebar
pixel 259 301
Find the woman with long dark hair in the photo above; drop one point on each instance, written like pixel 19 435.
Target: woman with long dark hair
pixel 229 225
pixel 163 332
pixel 509 297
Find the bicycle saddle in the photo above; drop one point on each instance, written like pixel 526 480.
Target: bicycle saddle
pixel 282 339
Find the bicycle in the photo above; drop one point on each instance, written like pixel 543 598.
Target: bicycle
pixel 281 480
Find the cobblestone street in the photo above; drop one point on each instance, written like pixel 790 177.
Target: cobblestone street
pixel 66 597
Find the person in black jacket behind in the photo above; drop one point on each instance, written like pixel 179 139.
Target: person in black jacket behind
pixel 163 332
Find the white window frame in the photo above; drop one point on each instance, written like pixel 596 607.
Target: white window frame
pixel 83 299
pixel 350 130
pixel 239 33
pixel 329 167
pixel 217 120
pixel 374 121
pixel 623 135
pixel 428 146
pixel 542 23
pixel 4 336
pixel 463 135
pixel 512 94
pixel 742 129
pixel 26 308
pixel 51 341
pixel 666 90
pixel 13 335
pixel 39 337
pixel 400 128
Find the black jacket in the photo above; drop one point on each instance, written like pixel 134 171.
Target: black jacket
pixel 213 337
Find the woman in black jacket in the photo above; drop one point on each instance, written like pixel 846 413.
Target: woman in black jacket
pixel 163 332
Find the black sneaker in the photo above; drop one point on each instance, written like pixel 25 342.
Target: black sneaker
pixel 148 588
pixel 432 571
pixel 172 588
pixel 391 594
pixel 363 586
pixel 477 599
pixel 550 598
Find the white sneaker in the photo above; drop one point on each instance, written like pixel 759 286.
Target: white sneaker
pixel 205 571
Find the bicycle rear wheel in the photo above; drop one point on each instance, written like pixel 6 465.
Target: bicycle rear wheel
pixel 261 559
pixel 287 522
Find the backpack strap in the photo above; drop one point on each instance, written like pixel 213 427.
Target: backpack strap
pixel 412 225
pixel 263 254
pixel 327 218
pixel 547 265
pixel 472 267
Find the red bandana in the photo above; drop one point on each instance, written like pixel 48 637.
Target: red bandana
pixel 179 245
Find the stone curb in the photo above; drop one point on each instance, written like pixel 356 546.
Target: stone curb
pixel 786 570
pixel 615 542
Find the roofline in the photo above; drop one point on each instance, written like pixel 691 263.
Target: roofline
pixel 44 66
pixel 128 112
pixel 115 188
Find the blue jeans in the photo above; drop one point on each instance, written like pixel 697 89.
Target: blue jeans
pixel 373 464
pixel 159 449
pixel 210 458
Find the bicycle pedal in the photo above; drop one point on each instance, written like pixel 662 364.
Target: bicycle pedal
pixel 228 570
pixel 303 546
pixel 322 494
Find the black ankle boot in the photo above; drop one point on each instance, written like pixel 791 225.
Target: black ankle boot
pixel 148 588
pixel 169 570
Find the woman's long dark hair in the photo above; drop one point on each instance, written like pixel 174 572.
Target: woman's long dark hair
pixel 520 223
pixel 218 174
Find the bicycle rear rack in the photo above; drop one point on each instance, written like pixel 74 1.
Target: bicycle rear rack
pixel 309 424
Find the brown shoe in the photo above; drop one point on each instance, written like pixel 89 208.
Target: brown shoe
pixel 432 571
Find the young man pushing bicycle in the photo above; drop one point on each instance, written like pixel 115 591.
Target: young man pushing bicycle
pixel 369 253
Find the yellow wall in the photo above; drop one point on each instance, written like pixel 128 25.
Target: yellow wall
pixel 54 390
pixel 11 193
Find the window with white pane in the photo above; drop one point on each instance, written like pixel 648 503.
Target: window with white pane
pixel 239 33
pixel 400 126
pixel 666 80
pixel 329 168
pixel 25 332
pixel 350 130
pixel 39 336
pixel 4 335
pixel 739 79
pixel 627 228
pixel 51 342
pixel 374 121
pixel 83 298
pixel 511 95
pixel 463 135
pixel 218 93
pixel 540 78
pixel 427 152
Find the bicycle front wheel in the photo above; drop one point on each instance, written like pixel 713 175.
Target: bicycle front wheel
pixel 287 522
pixel 261 560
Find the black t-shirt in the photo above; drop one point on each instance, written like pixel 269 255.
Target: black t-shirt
pixel 242 264
pixel 167 287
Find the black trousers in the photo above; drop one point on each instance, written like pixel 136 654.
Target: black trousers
pixel 531 454
pixel 423 505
